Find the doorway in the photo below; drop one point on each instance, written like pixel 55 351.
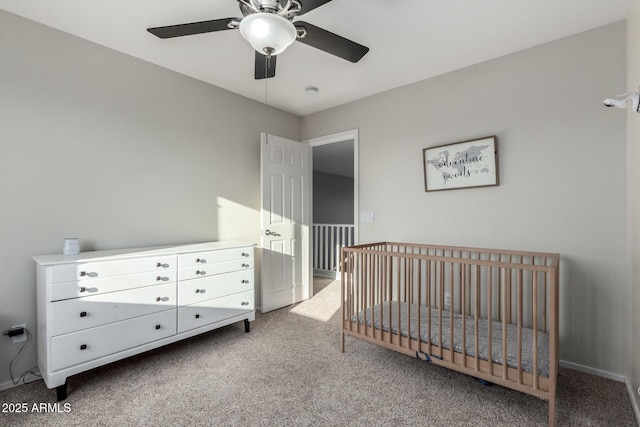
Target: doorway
pixel 335 200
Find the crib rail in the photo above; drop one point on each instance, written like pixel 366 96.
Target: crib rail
pixel 452 305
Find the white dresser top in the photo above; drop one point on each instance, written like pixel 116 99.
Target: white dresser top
pixel 137 252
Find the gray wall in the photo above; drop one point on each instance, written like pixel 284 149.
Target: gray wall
pixel 117 152
pixel 562 171
pixel 332 199
pixel 633 159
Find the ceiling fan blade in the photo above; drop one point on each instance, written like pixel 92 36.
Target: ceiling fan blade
pixel 201 27
pixel 265 67
pixel 309 5
pixel 331 43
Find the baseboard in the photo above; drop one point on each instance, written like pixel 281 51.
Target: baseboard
pixel 7 385
pixel 328 274
pixel 593 371
pixel 29 377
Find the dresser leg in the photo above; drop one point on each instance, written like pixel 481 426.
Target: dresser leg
pixel 61 391
pixel 246 325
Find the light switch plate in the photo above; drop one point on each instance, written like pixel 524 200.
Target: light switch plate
pixel 366 216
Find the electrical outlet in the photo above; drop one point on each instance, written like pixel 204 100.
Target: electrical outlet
pixel 20 338
pixel 447 299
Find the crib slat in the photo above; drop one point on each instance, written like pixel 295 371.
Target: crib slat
pixel 544 301
pixel 441 301
pixel 554 295
pixel 384 288
pixel 508 317
pixel 534 308
pixel 361 285
pixel 350 290
pixel 429 305
pixel 419 305
pixel 343 280
pixel 463 298
pixel 519 323
pixel 451 324
pixel 390 291
pixel 365 288
pixel 499 299
pixel 503 281
pixel 408 293
pixel 490 317
pixel 399 290
pixel 372 274
pixel 476 347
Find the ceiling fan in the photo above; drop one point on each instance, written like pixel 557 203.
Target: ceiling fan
pixel 268 26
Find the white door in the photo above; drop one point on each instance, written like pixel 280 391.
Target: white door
pixel 286 173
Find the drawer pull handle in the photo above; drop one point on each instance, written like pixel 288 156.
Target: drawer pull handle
pixel 197 316
pixel 244 303
pixel 88 274
pixel 201 272
pixel 83 347
pixel 83 314
pixel 164 299
pixel 245 265
pixel 201 291
pixel 157 326
pixel 244 281
pixel 245 254
pixel 91 290
pixel 163 279
pixel 161 265
pixel 201 260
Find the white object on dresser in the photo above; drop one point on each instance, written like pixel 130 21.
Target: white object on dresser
pixel 98 307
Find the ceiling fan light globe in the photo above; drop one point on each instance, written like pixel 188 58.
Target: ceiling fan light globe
pixel 268 33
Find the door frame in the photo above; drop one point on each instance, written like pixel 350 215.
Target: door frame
pixel 330 139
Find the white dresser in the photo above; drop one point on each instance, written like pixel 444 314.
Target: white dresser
pixel 98 307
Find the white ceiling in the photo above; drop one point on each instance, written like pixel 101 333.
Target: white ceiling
pixel 410 40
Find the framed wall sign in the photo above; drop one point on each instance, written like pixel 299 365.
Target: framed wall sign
pixel 464 164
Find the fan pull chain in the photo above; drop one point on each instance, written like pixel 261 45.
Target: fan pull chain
pixel 266 95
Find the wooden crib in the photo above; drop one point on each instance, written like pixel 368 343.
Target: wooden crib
pixel 418 300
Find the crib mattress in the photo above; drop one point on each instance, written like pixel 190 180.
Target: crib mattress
pixel 483 334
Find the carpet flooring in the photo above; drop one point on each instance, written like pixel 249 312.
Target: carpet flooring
pixel 288 371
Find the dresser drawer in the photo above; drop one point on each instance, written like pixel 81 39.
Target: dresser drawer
pixel 210 257
pixel 78 347
pixel 83 313
pixel 83 288
pixel 214 310
pixel 197 271
pixel 205 288
pixel 101 269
